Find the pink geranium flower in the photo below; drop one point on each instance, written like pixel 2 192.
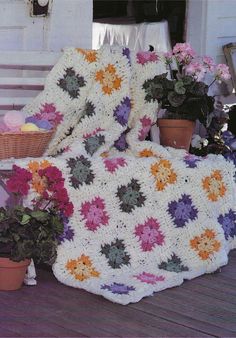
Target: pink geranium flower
pixel 222 73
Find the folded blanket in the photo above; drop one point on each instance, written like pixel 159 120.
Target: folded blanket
pixel 145 217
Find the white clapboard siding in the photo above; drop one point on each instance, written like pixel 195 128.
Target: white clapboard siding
pixel 18 89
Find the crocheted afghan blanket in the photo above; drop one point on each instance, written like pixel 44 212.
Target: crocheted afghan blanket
pixel 145 217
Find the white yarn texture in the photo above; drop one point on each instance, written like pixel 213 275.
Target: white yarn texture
pixel 145 217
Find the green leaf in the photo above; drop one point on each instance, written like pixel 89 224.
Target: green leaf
pixel 25 219
pixel 179 88
pixel 39 215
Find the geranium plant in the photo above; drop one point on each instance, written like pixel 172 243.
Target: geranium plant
pixel 181 90
pixel 35 231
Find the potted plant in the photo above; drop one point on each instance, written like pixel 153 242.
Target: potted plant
pixel 184 96
pixel 31 232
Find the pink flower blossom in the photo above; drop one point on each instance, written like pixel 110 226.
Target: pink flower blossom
pixel 149 234
pixel 195 69
pixel 145 57
pixel 114 163
pixel 183 53
pixel 19 182
pixel 208 63
pixel 149 278
pixel 222 72
pixel 94 213
pixel 168 58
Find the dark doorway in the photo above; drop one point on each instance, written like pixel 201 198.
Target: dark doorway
pixel 122 11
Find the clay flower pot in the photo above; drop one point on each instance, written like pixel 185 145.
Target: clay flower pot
pixel 176 133
pixel 12 273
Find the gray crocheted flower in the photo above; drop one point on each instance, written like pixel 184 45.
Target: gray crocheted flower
pixel 130 196
pixel 116 254
pixel 71 83
pixel 173 264
pixel 80 171
pixel 93 143
pixel 89 110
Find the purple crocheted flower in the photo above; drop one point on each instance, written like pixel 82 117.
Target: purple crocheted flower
pixel 121 144
pixel 182 211
pixel 118 288
pixel 122 111
pixel 191 161
pixel 126 52
pixel 68 233
pixel 228 222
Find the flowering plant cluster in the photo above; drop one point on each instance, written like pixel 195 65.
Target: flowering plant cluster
pixel 36 231
pixel 185 95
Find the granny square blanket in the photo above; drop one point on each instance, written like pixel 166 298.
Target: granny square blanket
pixel 145 217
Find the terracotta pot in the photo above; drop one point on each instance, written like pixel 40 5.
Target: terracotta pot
pixel 176 133
pixel 12 273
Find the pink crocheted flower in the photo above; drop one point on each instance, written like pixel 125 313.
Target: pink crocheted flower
pixel 144 57
pixel 49 112
pixel 94 132
pixel 114 163
pixel 149 278
pixel 146 125
pixel 149 234
pixel 94 213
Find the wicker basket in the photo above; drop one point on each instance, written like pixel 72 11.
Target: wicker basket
pixel 24 144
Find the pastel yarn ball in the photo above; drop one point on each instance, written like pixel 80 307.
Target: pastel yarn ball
pixel 44 124
pixel 31 119
pixel 29 127
pixel 14 119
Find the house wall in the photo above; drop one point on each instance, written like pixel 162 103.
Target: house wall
pixel 211 24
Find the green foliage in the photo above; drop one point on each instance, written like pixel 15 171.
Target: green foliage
pixel 183 97
pixel 26 233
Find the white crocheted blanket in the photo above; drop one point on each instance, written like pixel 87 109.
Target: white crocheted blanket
pixel 145 217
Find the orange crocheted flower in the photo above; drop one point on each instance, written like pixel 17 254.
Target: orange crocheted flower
pixel 205 244
pixel 146 153
pixel 89 55
pixel 105 154
pixel 163 173
pixel 81 268
pixel 108 79
pixel 39 184
pixel 214 186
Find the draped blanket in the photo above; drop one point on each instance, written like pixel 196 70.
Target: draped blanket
pixel 145 217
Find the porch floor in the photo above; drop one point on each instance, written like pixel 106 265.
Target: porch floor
pixel 203 307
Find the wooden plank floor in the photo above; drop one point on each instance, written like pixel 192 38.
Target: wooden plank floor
pixel 203 307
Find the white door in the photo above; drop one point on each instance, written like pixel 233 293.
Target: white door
pixel 68 24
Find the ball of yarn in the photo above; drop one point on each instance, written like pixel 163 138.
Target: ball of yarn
pixel 44 124
pixel 3 127
pixel 29 127
pixel 14 119
pixel 31 119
